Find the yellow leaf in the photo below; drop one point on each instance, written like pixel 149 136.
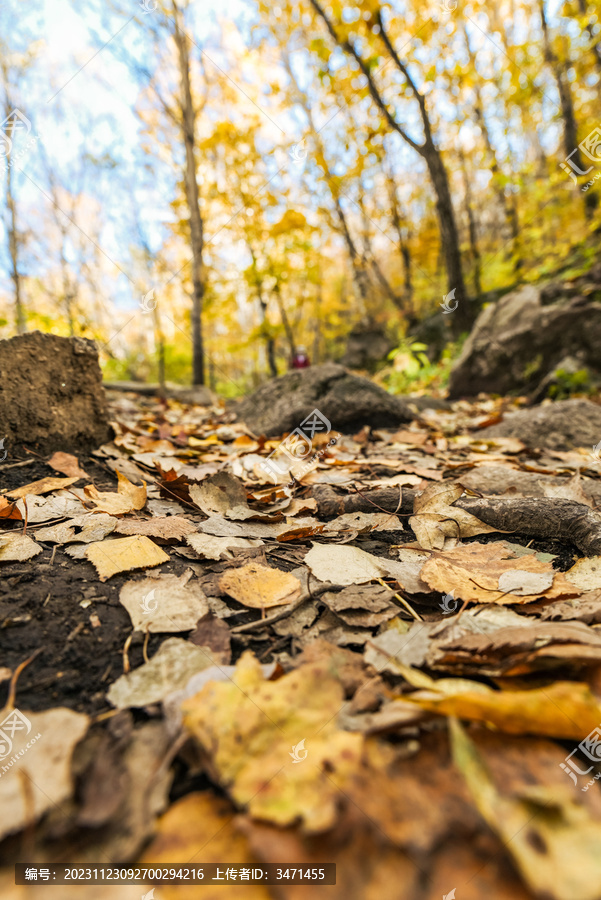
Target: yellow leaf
pixel 249 727
pixel 129 497
pixel 552 837
pixel 564 709
pixel 260 587
pixel 202 821
pixel 124 554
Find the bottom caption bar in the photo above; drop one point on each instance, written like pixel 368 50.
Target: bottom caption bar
pixel 211 873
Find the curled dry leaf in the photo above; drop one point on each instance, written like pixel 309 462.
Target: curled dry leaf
pixel 221 494
pixel 472 572
pixel 208 546
pixel 438 524
pixel 260 587
pixel 564 709
pixel 42 486
pixel 17 548
pixel 541 826
pixel 123 555
pixel 129 497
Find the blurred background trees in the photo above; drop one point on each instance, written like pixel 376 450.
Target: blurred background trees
pixel 202 190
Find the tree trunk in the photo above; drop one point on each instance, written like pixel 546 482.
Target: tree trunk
pixel 188 127
pixel 595 45
pixel 473 231
pixel 461 317
pixel 13 245
pixel 570 130
pixel 285 321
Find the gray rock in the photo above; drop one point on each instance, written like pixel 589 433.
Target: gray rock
pixel 518 341
pixel 51 394
pixel 348 401
pixel 556 426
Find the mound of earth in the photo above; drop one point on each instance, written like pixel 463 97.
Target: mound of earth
pixel 555 426
pixel 348 401
pixel 526 340
pixel 51 394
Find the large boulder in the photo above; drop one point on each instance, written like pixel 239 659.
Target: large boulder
pixel 348 401
pixel 517 342
pixel 51 394
pixel 555 426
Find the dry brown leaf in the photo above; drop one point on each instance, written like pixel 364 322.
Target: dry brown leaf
pixel 586 574
pixel 129 497
pixel 9 510
pixel 66 464
pixel 221 494
pixel 260 587
pixel 342 564
pixel 208 546
pixel 472 571
pixel 173 528
pixel 164 603
pixel 42 486
pixel 17 547
pixel 80 530
pixel 124 554
pixel 438 524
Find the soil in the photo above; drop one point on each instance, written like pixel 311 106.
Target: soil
pixel 41 611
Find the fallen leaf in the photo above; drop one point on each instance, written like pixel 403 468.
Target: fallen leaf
pixel 436 523
pixel 205 821
pixel 523 583
pixel 66 464
pixel 164 603
pixel 541 826
pixel 17 547
pixel 248 727
pixel 169 670
pixel 342 564
pixel 586 574
pixel 564 709
pixel 124 554
pixel 36 750
pixel 208 546
pixel 472 572
pixel 129 497
pixel 172 528
pixel 42 486
pixel 221 494
pixel 9 510
pixel 82 529
pixel 260 587
pixel 43 509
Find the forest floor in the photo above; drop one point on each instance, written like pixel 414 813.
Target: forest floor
pixel 345 666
